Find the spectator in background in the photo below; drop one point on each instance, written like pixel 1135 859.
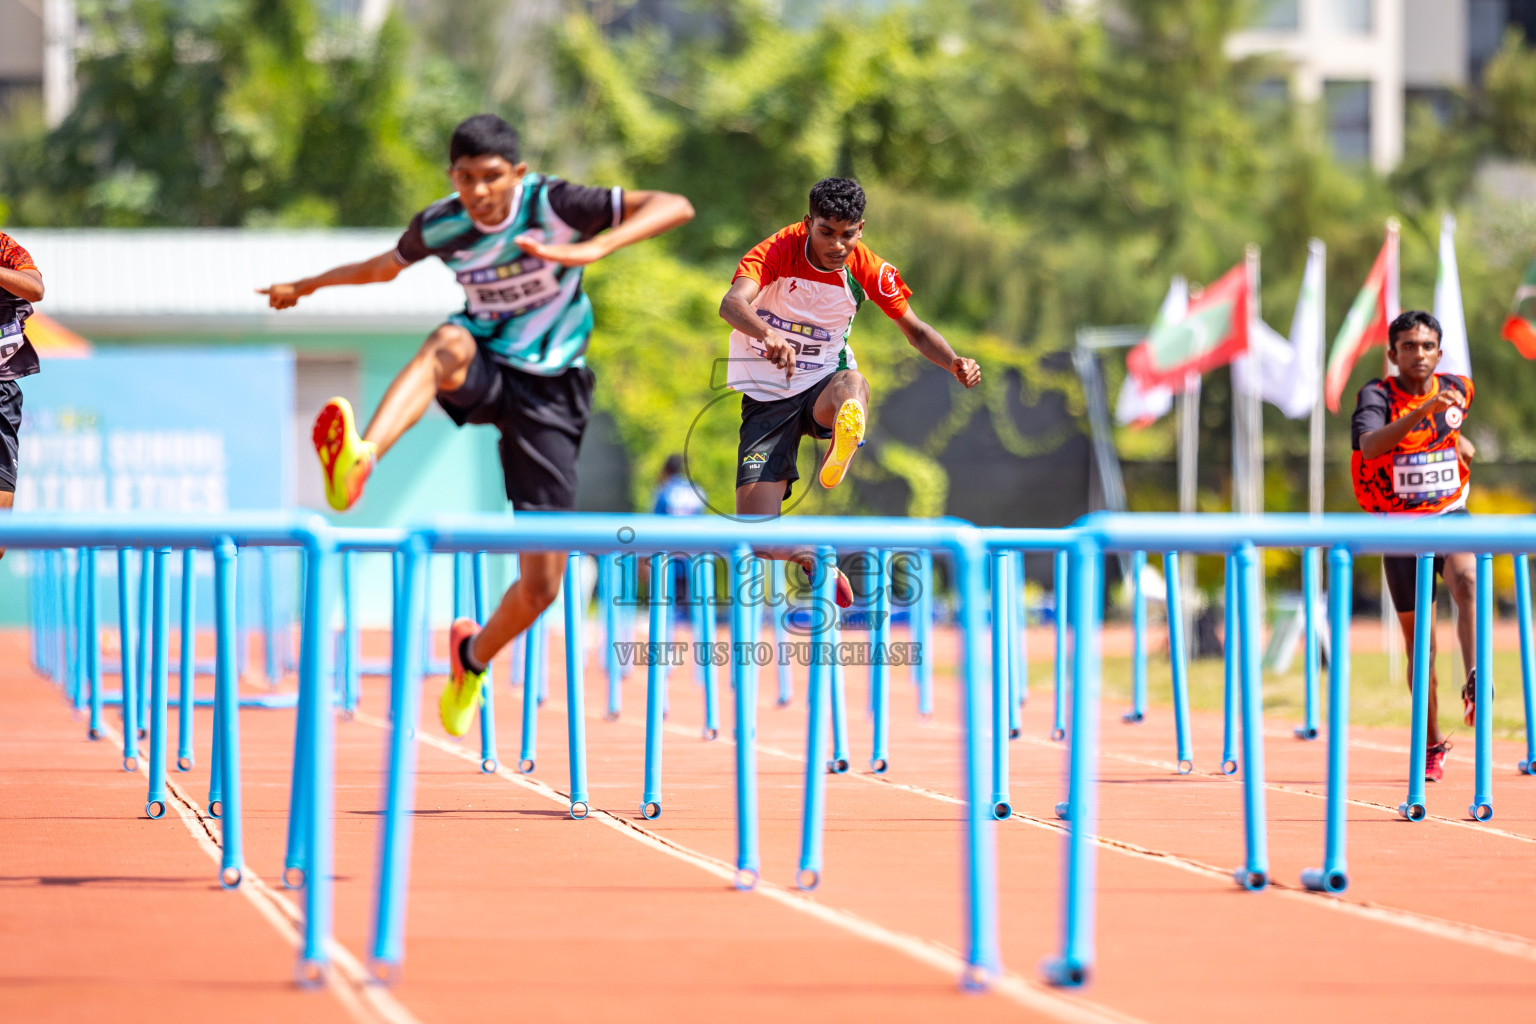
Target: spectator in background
pixel 20 285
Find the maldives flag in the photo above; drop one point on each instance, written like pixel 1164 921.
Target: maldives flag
pixel 1365 326
pixel 1520 327
pixel 1212 333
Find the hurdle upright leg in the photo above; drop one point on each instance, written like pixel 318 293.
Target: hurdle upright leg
pixel 922 628
pixel 839 762
pixel 1177 661
pixel 879 666
pixel 1482 729
pixel 1138 712
pixel 351 635
pixel 1527 660
pixel 1063 596
pixel 748 861
pixel 1072 968
pixel 778 604
pixel 1333 876
pixel 388 949
pixel 608 596
pixel 1312 652
pixel 184 753
pixel 93 642
pixel 126 661
pixel 1018 659
pixel 155 806
pixel 314 675
pixel 533 657
pixel 813 808
pixel 982 960
pixel 655 690
pixel 1001 805
pixel 704 595
pixel 575 687
pixel 1414 808
pixel 225 767
pixel 1231 660
pixel 141 653
pixel 1254 874
pixel 482 604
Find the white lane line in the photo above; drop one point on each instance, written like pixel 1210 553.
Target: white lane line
pixel 1483 938
pixel 365 1001
pixel 1506 943
pixel 1032 995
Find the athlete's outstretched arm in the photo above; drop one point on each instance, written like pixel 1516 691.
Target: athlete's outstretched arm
pixel 646 215
pixel 381 268
pixel 937 351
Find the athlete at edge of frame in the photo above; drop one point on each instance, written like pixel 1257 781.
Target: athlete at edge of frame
pixel 792 305
pixel 21 284
pixel 1410 457
pixel 514 356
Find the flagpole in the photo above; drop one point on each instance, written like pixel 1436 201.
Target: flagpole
pixel 1254 402
pixel 1315 447
pixel 1394 307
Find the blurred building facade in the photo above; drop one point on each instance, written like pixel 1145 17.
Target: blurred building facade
pixel 1364 61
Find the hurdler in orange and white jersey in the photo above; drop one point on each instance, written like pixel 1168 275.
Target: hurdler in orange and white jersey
pixel 1410 458
pixel 792 305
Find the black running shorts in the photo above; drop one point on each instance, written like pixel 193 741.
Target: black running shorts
pixel 1402 573
pixel 10 427
pixel 771 433
pixel 541 420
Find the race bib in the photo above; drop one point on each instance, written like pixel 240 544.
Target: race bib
pixel 812 344
pixel 510 288
pixel 1426 474
pixel 11 340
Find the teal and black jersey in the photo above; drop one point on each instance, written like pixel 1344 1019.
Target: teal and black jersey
pixel 529 314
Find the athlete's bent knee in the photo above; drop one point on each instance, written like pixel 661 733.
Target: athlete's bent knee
pixel 449 349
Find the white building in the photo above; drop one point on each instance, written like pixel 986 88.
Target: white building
pixel 1363 60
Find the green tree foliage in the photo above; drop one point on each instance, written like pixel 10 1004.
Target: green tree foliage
pixel 240 113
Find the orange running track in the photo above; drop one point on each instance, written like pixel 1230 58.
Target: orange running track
pixel 518 912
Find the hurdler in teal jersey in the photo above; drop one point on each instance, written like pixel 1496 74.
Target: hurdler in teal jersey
pixel 514 356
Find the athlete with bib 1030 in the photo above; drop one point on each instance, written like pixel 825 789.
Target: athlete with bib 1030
pixel 514 357
pixel 1410 457
pixel 792 305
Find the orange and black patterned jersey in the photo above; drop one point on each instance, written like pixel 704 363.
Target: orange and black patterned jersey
pixel 1423 474
pixel 17 356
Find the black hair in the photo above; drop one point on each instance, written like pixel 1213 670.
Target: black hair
pixel 1407 321
pixel 484 135
pixel 837 199
pixel 673 466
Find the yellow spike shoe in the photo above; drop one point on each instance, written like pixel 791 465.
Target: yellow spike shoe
pixel 345 459
pixel 461 697
pixel 847 438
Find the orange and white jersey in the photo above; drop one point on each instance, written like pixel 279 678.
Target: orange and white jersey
pixel 813 309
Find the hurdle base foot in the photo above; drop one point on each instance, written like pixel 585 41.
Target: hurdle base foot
pixel 1481 811
pixel 1133 718
pixel 1065 973
pixel 650 810
pixel 1253 881
pixel 1229 766
pixel 1058 734
pixel 1527 767
pixel 1305 732
pixel 1002 810
pixel 1063 811
pixel 1319 880
pixel 309 973
pixel 1413 811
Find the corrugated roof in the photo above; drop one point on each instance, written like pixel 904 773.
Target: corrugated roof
pixel 128 280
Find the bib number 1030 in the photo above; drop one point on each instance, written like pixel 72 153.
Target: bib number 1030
pixel 1426 474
